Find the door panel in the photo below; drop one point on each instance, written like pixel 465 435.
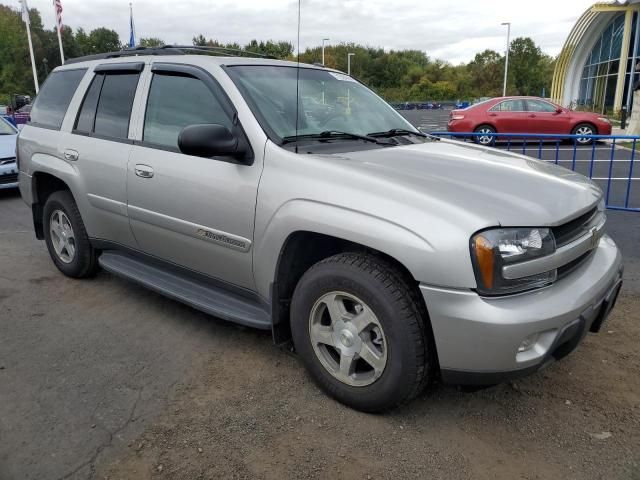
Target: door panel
pixel 99 148
pixel 544 118
pixel 195 212
pixel 509 116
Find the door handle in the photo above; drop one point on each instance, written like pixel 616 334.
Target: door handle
pixel 532 115
pixel 144 171
pixel 493 114
pixel 71 155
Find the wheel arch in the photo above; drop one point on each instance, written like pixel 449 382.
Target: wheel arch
pixel 584 122
pixel 301 250
pixel 43 184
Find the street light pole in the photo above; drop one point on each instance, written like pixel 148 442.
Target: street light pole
pixel 349 55
pixel 506 59
pixel 324 40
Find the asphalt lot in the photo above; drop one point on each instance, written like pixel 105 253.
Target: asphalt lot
pixel 104 379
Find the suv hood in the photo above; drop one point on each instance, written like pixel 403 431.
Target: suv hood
pixel 494 186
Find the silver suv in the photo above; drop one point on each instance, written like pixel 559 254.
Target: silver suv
pixel 296 200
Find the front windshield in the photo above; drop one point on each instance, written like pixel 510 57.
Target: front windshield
pixel 6 128
pixel 329 101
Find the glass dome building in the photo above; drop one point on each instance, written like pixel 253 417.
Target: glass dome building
pixel 595 69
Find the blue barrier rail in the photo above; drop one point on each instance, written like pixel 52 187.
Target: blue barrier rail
pixel 609 160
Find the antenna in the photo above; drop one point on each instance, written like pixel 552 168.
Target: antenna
pixel 298 75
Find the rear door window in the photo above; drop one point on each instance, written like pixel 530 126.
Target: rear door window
pixel 106 108
pixel 509 106
pixel 53 100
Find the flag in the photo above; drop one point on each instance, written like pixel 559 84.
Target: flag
pixel 25 12
pixel 132 29
pixel 58 7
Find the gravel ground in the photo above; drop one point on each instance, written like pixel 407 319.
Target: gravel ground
pixel 102 379
pixel 251 412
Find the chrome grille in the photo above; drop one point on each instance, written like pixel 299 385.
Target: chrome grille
pixel 11 178
pixel 576 228
pixel 6 161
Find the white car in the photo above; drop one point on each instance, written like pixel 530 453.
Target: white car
pixel 8 166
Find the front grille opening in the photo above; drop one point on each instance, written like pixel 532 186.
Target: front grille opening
pixel 11 178
pixel 577 227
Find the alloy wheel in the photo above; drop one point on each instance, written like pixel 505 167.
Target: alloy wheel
pixel 62 236
pixel 348 339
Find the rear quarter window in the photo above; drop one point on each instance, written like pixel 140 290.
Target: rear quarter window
pixel 53 100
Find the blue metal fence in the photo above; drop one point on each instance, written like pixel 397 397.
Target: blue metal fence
pixel 609 160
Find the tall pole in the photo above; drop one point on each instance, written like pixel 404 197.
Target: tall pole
pixel 27 22
pixel 349 55
pixel 57 6
pixel 506 60
pixel 324 40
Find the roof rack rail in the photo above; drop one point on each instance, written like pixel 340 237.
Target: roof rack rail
pixel 170 50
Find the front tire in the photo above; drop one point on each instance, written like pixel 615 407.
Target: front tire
pixel 361 332
pixel 66 237
pixel 487 136
pixel 584 129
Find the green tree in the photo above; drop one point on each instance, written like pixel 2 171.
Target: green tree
pixel 528 67
pixel 150 42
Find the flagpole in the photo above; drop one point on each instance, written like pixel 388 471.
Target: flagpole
pixel 25 11
pixel 58 25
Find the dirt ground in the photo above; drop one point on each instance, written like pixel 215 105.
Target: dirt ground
pixel 252 412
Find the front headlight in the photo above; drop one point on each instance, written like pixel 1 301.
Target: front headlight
pixel 493 249
pixel 604 119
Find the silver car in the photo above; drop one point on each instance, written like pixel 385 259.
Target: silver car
pixel 8 167
pixel 296 200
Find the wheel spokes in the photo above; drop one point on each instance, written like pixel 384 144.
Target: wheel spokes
pixel 321 334
pixel 374 358
pixel 346 366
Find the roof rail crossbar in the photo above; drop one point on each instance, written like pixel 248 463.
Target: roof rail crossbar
pixel 127 53
pixel 170 50
pixel 225 51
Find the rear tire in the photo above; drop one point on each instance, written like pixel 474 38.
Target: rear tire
pixel 485 140
pixel 359 309
pixel 66 237
pixel 584 129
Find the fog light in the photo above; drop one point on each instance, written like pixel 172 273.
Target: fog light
pixel 528 343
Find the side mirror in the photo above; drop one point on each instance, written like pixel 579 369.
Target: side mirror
pixel 559 110
pixel 209 140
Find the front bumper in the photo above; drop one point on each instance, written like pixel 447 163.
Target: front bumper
pixel 8 176
pixel 477 338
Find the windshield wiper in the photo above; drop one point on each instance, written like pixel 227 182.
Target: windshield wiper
pixel 333 134
pixel 396 132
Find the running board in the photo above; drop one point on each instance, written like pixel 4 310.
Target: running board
pixel 202 296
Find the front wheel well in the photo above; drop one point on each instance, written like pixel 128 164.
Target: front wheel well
pixel 302 250
pixel 574 128
pixel 44 184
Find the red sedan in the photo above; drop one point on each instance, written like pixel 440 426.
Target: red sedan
pixel 526 115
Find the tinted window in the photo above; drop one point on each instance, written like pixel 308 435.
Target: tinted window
pixel 540 106
pixel 176 102
pixel 54 97
pixel 114 106
pixel 87 114
pixel 509 106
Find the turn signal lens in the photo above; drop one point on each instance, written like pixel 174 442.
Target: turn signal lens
pixel 485 260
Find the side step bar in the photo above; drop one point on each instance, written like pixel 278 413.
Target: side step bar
pixel 202 296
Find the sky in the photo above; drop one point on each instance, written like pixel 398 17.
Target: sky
pixel 453 31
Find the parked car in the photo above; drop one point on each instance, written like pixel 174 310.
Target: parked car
pixel 22 115
pixel 526 115
pixel 8 167
pixel 390 258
